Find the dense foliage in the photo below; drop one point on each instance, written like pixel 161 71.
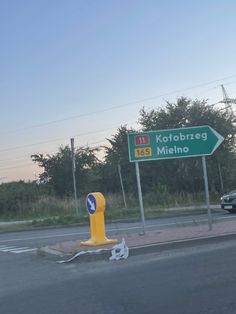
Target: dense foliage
pixel 171 176
pixel 186 174
pixel 57 173
pixel 18 196
pixel 177 175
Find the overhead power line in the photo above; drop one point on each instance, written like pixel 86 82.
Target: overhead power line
pixel 121 105
pixel 58 139
pixel 18 159
pixel 91 145
pixel 95 112
pixel 18 166
pixel 3 168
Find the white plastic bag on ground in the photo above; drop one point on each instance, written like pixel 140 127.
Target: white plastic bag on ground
pixel 119 251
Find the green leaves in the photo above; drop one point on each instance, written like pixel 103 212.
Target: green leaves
pixel 176 175
pixel 57 169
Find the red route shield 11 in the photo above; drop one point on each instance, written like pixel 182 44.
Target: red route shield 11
pixel 142 139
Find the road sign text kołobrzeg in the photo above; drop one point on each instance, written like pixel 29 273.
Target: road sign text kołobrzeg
pixel 173 143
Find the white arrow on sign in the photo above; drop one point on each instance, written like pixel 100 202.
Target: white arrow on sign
pixel 92 205
pixel 219 137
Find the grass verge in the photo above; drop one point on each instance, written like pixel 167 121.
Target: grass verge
pixel 110 216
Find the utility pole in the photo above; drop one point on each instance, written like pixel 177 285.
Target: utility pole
pixel 122 186
pixel 220 176
pixel 73 174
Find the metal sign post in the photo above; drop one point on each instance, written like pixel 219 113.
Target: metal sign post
pixel 73 174
pixel 140 196
pixel 207 192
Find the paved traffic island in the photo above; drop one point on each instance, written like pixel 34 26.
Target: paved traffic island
pixel 151 241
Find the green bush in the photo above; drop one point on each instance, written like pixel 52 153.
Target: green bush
pixel 20 201
pixel 18 197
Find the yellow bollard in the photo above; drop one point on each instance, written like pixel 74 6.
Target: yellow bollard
pixel 95 203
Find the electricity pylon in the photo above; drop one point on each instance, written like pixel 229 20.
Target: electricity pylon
pixel 227 101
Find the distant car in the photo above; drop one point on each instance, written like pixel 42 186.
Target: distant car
pixel 228 202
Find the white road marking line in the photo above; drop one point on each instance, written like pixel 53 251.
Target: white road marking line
pixel 114 229
pixel 18 248
pixel 23 251
pixel 7 249
pixel 13 249
pixel 84 233
pixel 45 237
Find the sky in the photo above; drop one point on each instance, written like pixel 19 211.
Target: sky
pixel 83 68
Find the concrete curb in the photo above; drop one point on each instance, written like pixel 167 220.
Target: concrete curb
pixel 178 244
pixel 138 250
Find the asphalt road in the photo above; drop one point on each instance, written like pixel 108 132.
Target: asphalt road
pixel 31 240
pixel 200 279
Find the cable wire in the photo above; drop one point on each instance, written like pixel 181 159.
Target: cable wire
pixel 120 106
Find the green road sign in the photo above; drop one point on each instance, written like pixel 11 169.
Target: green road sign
pixel 173 143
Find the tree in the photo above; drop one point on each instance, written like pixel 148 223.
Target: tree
pixel 177 174
pixel 117 154
pixel 186 174
pixel 57 172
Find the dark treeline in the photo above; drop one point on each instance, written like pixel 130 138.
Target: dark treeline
pixel 175 175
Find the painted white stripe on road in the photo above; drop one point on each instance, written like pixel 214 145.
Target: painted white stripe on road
pixel 7 248
pixel 23 250
pixel 86 232
pixel 45 237
pixel 79 233
pixel 117 229
pixel 18 248
pixel 13 249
